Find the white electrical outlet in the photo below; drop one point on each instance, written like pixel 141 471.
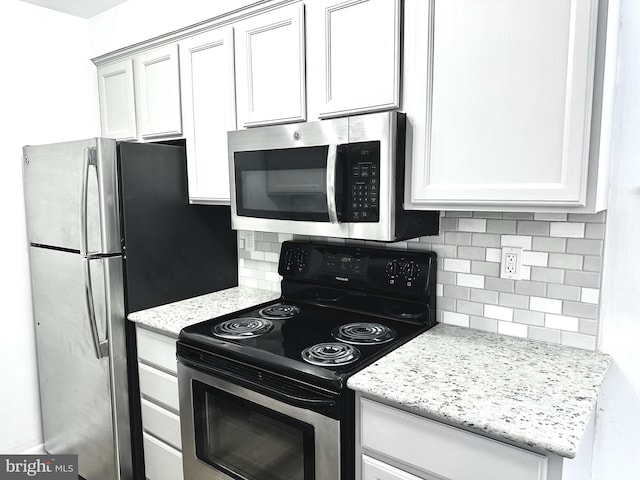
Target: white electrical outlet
pixel 511 263
pixel 247 240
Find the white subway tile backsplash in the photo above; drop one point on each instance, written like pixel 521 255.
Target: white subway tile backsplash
pixel 590 295
pixel 562 322
pixel 455 265
pixel 493 255
pixel 522 241
pixel 469 280
pixel 548 305
pixel 556 299
pixel 539 259
pixel 499 313
pixel 513 329
pixel 550 217
pixel 578 340
pixel 532 228
pixel 452 318
pixel 567 230
pixel 472 225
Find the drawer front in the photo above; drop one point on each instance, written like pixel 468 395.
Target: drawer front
pixel 157 350
pixel 162 423
pixel 159 386
pixel 442 450
pixel 373 469
pixel 162 462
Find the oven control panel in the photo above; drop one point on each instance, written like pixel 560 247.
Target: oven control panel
pixel 387 271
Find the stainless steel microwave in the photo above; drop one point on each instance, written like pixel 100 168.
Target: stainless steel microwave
pixel 342 177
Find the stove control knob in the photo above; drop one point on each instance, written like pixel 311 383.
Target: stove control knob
pixel 411 270
pixel 393 268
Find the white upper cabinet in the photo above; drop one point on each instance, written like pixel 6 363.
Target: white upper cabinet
pixel 158 89
pixel 270 67
pixel 117 100
pixel 499 96
pixel 354 53
pixel 209 111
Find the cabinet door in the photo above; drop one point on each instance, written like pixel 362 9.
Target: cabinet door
pixel 209 111
pixel 359 55
pixel 158 89
pixel 270 67
pixel 506 110
pixel 117 100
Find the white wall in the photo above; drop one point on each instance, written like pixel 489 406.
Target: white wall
pixel 137 20
pixel 47 94
pixel 617 443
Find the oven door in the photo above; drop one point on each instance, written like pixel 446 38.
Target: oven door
pixel 232 432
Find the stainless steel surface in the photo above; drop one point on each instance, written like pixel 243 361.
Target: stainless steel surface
pixel 53 177
pixel 101 346
pixel 326 430
pixel 360 128
pixel 75 387
pixel 331 184
pixel 88 158
pixel 78 300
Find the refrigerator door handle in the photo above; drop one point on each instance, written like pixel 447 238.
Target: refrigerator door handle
pixel 88 158
pixel 101 346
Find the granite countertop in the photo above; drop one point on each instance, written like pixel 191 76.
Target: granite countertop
pixel 534 394
pixel 169 319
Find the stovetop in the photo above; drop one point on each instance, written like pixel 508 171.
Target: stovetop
pixel 327 291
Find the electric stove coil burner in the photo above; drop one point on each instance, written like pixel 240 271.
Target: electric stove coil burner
pixel 364 333
pixel 331 354
pixel 279 311
pixel 242 328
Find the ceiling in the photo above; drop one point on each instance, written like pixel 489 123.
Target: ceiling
pixel 78 8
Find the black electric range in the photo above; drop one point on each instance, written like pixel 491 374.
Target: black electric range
pixel 342 308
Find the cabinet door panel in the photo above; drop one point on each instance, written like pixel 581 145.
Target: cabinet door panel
pixel 158 86
pixel 508 104
pixel 161 461
pixel 270 67
pixel 437 448
pixel 208 102
pixel 361 54
pixel 117 100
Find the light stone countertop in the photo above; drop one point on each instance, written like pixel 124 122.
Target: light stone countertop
pixel 169 319
pixel 534 394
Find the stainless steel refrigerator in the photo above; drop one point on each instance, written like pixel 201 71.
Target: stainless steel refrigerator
pixel 110 232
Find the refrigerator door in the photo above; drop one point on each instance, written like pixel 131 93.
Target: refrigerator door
pixel 71 196
pixel 83 397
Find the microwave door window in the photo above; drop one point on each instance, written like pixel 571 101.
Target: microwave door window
pixel 288 184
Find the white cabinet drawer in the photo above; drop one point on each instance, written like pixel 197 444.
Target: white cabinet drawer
pixel 373 469
pixel 157 350
pixel 159 386
pixel 162 462
pixel 161 423
pixel 442 450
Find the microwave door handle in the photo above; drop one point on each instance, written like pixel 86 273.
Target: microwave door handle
pixel 331 183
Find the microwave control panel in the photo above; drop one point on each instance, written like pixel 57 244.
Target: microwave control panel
pixel 363 163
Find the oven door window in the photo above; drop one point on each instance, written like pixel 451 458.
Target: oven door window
pixel 248 441
pixel 285 184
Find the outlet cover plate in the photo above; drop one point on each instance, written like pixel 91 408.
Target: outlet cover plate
pixel 511 263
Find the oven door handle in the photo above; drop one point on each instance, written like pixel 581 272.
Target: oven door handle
pixel 295 400
pixel 331 183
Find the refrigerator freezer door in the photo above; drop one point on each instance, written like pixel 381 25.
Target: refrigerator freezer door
pixel 71 194
pixel 81 413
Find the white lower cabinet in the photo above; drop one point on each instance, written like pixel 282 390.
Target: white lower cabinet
pixel 420 448
pixel 162 462
pixel 157 370
pixel 373 469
